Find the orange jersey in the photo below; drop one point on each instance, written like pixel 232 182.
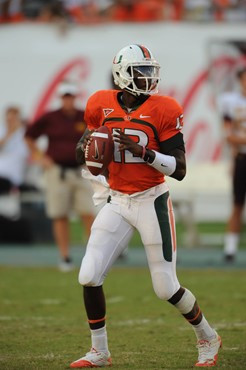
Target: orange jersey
pixel 156 120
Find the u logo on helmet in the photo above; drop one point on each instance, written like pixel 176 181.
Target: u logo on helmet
pixel 114 61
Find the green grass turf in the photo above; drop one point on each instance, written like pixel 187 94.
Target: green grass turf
pixel 43 323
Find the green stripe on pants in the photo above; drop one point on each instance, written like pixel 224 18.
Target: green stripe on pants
pixel 161 209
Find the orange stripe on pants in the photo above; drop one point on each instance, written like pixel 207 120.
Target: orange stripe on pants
pixel 172 223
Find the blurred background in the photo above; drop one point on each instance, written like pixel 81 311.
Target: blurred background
pixel 200 44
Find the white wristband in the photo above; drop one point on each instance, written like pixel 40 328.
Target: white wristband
pixel 165 164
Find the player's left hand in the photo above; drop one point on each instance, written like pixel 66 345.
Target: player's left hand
pixel 127 143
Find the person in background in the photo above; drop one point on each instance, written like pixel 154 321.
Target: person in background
pixel 13 151
pixel 232 108
pixel 11 11
pixel 65 189
pixel 198 10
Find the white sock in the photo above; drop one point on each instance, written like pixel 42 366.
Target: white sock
pixel 203 330
pixel 231 243
pixel 99 339
pixel 186 303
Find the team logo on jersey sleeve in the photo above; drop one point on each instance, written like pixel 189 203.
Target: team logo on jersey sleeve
pixel 179 122
pixel 107 111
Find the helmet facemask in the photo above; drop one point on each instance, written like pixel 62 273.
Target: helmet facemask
pixel 145 79
pixel 135 73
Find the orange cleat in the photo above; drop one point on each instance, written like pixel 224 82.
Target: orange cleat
pixel 208 352
pixel 93 358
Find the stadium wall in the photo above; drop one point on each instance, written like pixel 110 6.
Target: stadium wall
pixel 34 58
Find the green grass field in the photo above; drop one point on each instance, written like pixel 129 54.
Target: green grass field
pixel 43 323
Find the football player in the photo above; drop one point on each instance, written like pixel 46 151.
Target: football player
pixel 148 147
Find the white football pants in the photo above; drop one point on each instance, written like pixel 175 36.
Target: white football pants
pixel 151 213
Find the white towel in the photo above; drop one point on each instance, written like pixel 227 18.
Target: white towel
pixel 99 185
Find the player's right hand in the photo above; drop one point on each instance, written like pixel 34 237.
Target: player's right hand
pixel 80 147
pixel 87 140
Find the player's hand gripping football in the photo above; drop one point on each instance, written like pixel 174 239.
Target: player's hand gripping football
pixel 87 140
pixel 80 147
pixel 127 143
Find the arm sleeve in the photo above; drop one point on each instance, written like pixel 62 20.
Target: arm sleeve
pixel 93 112
pixel 176 141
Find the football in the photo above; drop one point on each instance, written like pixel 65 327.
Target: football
pixel 100 152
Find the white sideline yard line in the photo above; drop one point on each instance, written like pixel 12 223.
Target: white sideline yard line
pixel 46 301
pixel 47 356
pixel 132 353
pixel 115 300
pixel 145 321
pixel 229 325
pixel 50 301
pixel 221 325
pixel 137 322
pixel 231 348
pixel 8 301
pixel 131 322
pixel 8 318
pixel 34 318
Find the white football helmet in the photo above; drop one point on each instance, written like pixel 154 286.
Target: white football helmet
pixel 132 64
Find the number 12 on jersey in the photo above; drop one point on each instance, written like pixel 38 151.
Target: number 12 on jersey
pixel 126 156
